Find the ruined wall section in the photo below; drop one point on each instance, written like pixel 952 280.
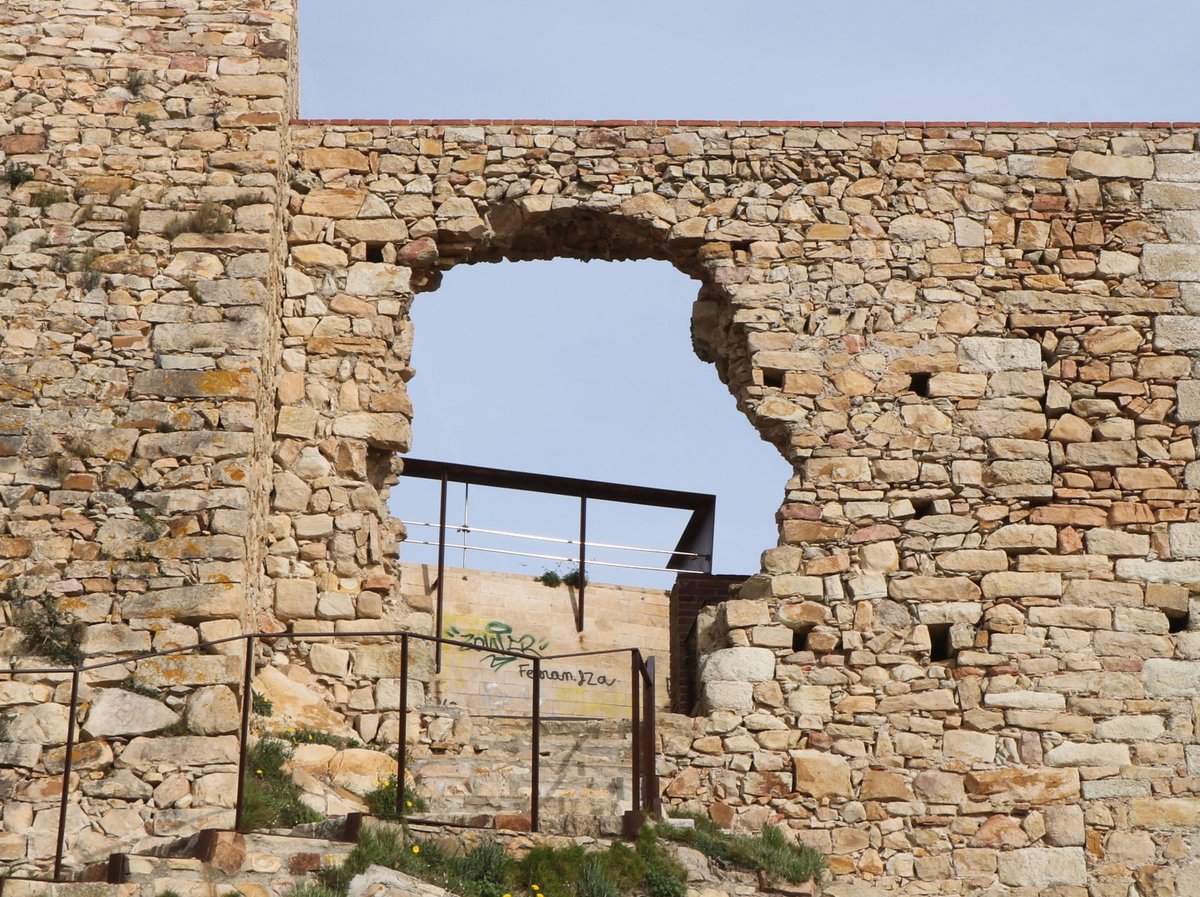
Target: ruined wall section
pixel 969 662
pixel 142 150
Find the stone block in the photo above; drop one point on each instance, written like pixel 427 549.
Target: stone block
pixel 376 278
pixel 1043 867
pixel 1184 539
pixel 328 660
pixel 969 746
pixel 933 588
pixel 1171 678
pixel 295 599
pixel 821 775
pixel 1005 584
pixel 918 228
pixel 1117 543
pixel 1177 333
pixel 1101 454
pixel 212 710
pixel 1177 166
pixel 1182 572
pixel 1087 164
pixel 1171 262
pixel 1073 753
pixel 1024 785
pixel 1165 813
pixel 989 355
pixel 1134 727
pixel 737 697
pixel 187 603
pixel 837 470
pixel 115 711
pixel 738 665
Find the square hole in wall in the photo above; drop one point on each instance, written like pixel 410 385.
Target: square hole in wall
pixel 940 647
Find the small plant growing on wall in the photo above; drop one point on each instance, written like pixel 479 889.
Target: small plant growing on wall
pixel 46 630
pixel 16 174
pixel 553 579
pixel 209 218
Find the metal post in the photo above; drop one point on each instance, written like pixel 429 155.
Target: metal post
pixel 651 797
pixel 635 680
pixel 535 774
pixel 402 748
pixel 66 782
pixel 244 731
pixel 441 579
pixel 582 560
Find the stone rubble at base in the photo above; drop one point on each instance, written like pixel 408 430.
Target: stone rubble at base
pixel 977 344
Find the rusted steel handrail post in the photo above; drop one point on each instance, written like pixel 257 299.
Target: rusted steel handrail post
pixel 441 580
pixel 244 730
pixel 635 677
pixel 66 782
pixel 582 561
pixel 535 785
pixel 650 793
pixel 402 748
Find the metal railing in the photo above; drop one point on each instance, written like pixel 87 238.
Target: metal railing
pixel 693 551
pixel 644 780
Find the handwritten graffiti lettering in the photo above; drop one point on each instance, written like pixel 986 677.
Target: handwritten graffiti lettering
pixel 499 636
pixel 579 677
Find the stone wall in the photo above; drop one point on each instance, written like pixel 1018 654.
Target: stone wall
pixel 970 665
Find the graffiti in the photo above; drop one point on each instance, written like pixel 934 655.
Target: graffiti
pixel 499 636
pixel 582 677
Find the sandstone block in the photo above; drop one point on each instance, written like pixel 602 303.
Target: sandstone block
pixel 1032 785
pixel 991 423
pixel 1177 333
pixel 1054 167
pixel 821 775
pixel 1171 262
pixel 187 603
pixel 1131 728
pixel 1073 753
pixel 318 255
pixel 879 784
pixel 381 430
pixel 1171 678
pixel 334 157
pixel 1043 867
pixel 295 599
pixel 988 355
pixel 738 665
pixel 1184 540
pixel 837 470
pixel 1088 164
pixel 933 588
pixel 212 710
pixel 372 230
pixel 1025 700
pixel 1187 408
pixel 939 787
pixel 914 228
pixel 968 746
pixel 736 697
pixel 1022 537
pixel 189 669
pixel 146 754
pixel 1101 454
pixel 196 384
pixel 1165 813
pixel 1182 572
pixel 329 661
pixel 1117 543
pixel 1005 584
pixel 115 711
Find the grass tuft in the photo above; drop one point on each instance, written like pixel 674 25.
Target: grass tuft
pixel 769 851
pixel 272 798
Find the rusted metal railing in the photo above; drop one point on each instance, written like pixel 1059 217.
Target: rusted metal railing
pixel 644 784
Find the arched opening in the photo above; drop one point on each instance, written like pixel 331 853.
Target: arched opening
pixel 582 371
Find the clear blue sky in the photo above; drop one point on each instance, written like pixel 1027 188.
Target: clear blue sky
pixel 586 370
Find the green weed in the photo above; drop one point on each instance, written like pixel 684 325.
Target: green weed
pixel 17 174
pixel 272 798
pixel 769 851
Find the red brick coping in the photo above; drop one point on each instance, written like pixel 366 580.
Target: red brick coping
pixel 703 123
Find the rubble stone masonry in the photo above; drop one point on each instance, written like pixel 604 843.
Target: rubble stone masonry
pixel 970 666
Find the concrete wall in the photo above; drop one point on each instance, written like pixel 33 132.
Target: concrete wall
pixel 517 613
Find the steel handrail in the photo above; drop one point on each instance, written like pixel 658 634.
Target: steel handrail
pixel 642 686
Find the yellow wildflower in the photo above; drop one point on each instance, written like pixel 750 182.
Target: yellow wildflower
pixel 416 848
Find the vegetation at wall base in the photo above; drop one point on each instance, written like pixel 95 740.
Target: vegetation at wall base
pixel 382 801
pixel 272 798
pixel 305 735
pixel 488 870
pixel 769 851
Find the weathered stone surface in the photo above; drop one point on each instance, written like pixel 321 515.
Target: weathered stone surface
pixel 738 665
pixel 1043 867
pixel 188 603
pixel 1038 786
pixel 1171 678
pixel 989 355
pixel 212 710
pixel 1099 165
pixel 821 775
pixel 115 711
pixel 144 754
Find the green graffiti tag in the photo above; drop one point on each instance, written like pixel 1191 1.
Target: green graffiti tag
pixel 499 636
